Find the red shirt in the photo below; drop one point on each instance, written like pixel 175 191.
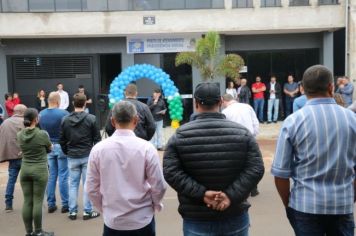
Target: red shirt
pixel 9 105
pixel 16 101
pixel 258 85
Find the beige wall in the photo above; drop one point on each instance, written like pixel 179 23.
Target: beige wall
pixel 229 21
pixel 352 43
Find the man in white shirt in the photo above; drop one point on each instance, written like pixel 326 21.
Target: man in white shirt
pixel 64 97
pixel 240 113
pixel 244 115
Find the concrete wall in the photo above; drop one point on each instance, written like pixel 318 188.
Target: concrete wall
pixel 257 20
pixel 3 76
pixel 352 44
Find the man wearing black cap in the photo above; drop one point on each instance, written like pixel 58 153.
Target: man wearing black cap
pixel 213 164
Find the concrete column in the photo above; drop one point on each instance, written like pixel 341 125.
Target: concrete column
pixel 314 3
pixel 228 4
pixel 285 3
pixel 3 76
pixel 328 50
pixel 352 44
pixel 256 3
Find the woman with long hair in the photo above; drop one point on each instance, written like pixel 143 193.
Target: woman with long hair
pixel 231 89
pixel 41 100
pixel 34 144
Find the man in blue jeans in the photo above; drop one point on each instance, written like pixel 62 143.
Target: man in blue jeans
pixel 213 164
pixel 50 120
pixel 290 90
pixel 79 133
pixel 10 151
pixel 258 90
pixel 316 149
pixel 274 92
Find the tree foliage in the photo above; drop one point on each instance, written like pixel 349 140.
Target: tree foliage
pixel 208 60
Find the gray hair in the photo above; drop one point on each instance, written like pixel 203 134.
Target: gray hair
pixel 124 112
pixel 20 109
pixel 316 80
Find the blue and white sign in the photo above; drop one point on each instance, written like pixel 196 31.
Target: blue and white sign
pixel 161 44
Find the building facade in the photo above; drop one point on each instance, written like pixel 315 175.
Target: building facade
pixel 88 42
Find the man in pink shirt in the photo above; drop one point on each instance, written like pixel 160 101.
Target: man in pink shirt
pixel 124 179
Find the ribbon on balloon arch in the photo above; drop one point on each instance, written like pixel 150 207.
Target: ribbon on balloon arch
pixel 139 71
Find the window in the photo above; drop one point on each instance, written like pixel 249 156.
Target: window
pixel 41 5
pixel 298 2
pixel 242 3
pixel 171 4
pixel 68 5
pixel 271 3
pixel 120 5
pixel 142 5
pixel 198 4
pixel 328 2
pixel 14 6
pixel 94 5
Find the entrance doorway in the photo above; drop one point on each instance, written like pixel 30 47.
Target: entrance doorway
pixel 110 67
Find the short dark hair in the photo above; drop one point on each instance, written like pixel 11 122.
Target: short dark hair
pixel 79 100
pixel 59 83
pixel 7 95
pixel 81 86
pixel 29 116
pixel 131 89
pixel 316 80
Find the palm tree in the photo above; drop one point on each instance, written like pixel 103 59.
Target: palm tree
pixel 209 61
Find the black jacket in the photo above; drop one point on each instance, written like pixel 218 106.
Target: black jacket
pixel 145 128
pixel 38 104
pixel 212 153
pixel 156 108
pixel 79 133
pixel 245 95
pixel 278 89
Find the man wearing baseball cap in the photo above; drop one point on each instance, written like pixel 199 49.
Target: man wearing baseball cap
pixel 213 164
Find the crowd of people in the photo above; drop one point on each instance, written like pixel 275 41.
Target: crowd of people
pixel 213 162
pixel 273 94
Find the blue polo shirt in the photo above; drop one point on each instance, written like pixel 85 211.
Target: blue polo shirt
pixel 316 149
pixel 50 120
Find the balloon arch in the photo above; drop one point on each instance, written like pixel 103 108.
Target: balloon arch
pixel 136 72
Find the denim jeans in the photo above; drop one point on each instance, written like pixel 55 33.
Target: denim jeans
pixel 77 169
pixel 14 169
pixel 259 104
pixel 289 105
pixel 157 137
pixel 58 168
pixel 272 104
pixel 235 226
pixel 148 230
pixel 305 224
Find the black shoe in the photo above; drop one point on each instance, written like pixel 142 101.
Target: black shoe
pixel 52 209
pixel 90 215
pixel 269 122
pixel 275 121
pixel 254 193
pixel 160 149
pixel 8 209
pixel 43 233
pixel 72 215
pixel 64 210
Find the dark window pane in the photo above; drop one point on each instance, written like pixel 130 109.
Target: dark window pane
pixel 217 4
pixel 171 4
pixel 120 5
pixel 14 5
pixel 68 5
pixel 270 3
pixel 298 2
pixel 41 5
pixel 328 2
pixel 242 3
pixel 94 5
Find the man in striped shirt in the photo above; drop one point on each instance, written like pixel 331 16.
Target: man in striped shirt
pixel 316 149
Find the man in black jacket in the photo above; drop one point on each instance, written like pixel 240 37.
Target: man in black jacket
pixel 274 92
pixel 79 133
pixel 146 127
pixel 213 164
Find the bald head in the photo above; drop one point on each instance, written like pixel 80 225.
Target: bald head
pixel 54 99
pixel 19 109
